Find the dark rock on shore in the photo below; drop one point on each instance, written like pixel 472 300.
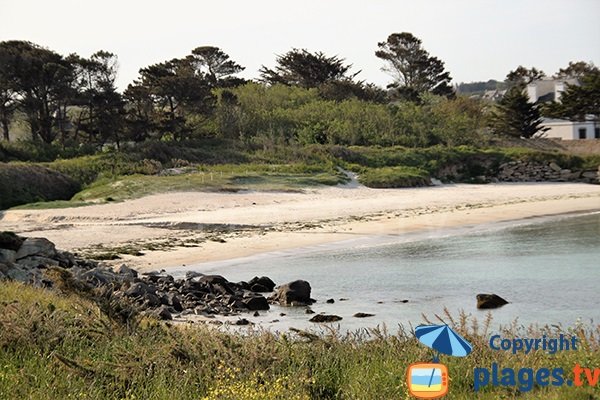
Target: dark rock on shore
pixel 262 284
pixel 362 315
pixel 36 247
pixel 324 318
pixel 293 294
pixel 28 260
pixel 256 303
pixel 487 301
pixel 10 241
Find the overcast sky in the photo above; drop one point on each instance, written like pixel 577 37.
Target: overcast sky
pixel 477 40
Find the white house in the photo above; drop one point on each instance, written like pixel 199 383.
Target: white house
pixel 548 89
pixel 544 90
pixel 571 130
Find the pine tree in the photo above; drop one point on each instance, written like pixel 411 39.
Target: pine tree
pixel 516 116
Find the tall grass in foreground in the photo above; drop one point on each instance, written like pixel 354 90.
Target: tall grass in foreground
pixel 63 346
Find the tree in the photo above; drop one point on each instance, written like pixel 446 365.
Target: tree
pixel 299 67
pixel 346 89
pixel 413 69
pixel 523 76
pixel 140 112
pixel 216 66
pixel 177 90
pixel 576 70
pixel 579 102
pixel 43 84
pixel 516 116
pixel 9 96
pixel 101 107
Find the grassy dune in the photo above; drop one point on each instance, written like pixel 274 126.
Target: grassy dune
pixel 64 346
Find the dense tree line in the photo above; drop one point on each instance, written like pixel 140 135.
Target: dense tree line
pixel 307 97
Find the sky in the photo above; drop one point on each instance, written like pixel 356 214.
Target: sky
pixel 477 39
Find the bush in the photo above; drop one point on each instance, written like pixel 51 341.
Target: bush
pixel 394 177
pixel 26 150
pixel 21 184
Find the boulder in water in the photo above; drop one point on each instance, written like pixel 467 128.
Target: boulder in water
pixel 487 301
pixel 293 293
pixel 325 318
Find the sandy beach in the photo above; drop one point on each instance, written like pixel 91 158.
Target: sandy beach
pixel 178 229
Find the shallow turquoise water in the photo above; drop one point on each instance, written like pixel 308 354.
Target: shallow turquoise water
pixel 548 269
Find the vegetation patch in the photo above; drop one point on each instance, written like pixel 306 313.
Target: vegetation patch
pixel 394 177
pixel 20 183
pixel 66 346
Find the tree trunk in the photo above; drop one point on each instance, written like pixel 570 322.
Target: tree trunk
pixel 5 131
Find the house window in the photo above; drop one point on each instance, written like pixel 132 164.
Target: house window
pixel 597 133
pixel 582 133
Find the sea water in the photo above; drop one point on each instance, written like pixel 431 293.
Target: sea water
pixel 548 269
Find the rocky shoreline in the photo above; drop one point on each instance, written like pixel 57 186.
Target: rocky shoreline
pixel 28 260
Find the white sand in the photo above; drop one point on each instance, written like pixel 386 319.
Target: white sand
pixel 280 221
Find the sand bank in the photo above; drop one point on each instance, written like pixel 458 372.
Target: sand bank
pixel 177 229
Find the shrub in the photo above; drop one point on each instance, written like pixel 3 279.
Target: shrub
pixel 21 184
pixel 394 177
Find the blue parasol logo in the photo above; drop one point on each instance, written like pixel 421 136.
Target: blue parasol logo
pixel 430 380
pixel 443 339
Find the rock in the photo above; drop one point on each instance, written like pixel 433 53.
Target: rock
pixel 174 301
pixel 362 315
pixel 65 259
pixel 126 271
pixel 256 314
pixel 36 247
pixel 38 262
pixel 256 303
pixel 330 301
pixel 163 313
pixel 485 301
pixel 243 285
pixel 213 280
pixel 590 174
pixel 99 276
pixel 192 274
pixel 573 176
pixel 20 275
pixel 10 241
pixel 293 293
pixel 138 289
pixel 324 318
pixel 309 311
pixel 264 281
pixel 258 288
pixel 8 256
pixel 151 300
pixel 4 268
pixel 555 167
pixel 242 321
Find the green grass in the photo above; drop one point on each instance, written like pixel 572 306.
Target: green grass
pixel 42 205
pixel 222 177
pixel 115 176
pixel 394 177
pixel 62 346
pixel 228 177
